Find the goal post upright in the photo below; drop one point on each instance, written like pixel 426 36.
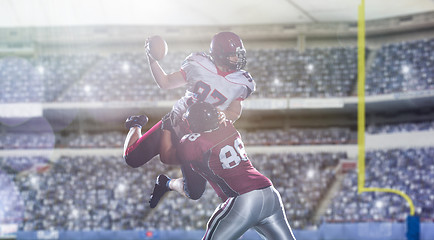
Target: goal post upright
pixel 361 113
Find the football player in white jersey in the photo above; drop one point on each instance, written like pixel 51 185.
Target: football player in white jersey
pixel 217 78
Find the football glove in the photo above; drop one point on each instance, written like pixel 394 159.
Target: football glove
pixel 166 121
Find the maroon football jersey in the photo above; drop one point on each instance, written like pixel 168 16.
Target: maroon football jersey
pixel 220 157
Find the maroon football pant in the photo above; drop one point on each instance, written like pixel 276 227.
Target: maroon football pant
pixel 147 147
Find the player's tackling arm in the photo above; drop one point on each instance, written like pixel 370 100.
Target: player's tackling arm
pixel 233 112
pixel 164 80
pixel 167 149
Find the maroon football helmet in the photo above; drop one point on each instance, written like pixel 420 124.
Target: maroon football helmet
pixel 201 117
pixel 225 45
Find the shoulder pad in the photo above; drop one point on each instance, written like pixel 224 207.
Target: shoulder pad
pixel 247 75
pixel 197 56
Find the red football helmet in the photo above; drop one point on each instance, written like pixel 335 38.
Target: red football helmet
pixel 225 45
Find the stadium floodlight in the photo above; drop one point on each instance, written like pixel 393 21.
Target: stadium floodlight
pixel 405 69
pixel 310 67
pixel 41 69
pixel 310 173
pixel 34 181
pixel 87 88
pixel 126 67
pixel 379 204
pixel 75 213
pixel 276 81
pixel 121 187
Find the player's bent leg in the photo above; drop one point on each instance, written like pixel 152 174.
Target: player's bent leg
pixel 145 148
pixel 133 135
pixel 194 184
pixel 234 217
pixel 134 124
pixel 223 225
pixel 275 229
pixel 276 225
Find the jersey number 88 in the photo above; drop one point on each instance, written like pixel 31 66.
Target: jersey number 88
pixel 231 156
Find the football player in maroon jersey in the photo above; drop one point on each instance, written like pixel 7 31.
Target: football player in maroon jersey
pixel 214 152
pixel 217 78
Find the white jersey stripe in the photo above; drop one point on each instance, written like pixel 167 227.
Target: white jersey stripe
pixel 218 215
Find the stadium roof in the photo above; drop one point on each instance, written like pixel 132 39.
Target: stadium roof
pixel 46 13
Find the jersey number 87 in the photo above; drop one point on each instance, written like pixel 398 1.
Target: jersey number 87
pixel 202 90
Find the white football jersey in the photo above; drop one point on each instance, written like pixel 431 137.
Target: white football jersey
pixel 205 84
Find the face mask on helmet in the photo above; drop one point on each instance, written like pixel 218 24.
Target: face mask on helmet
pixel 227 50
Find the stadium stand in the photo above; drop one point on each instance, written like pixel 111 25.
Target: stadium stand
pixel 20 81
pixel 402 67
pixel 279 73
pixel 27 140
pixel 408 170
pixel 299 136
pixel 400 127
pixel 113 76
pixel 113 139
pixel 97 140
pixel 12 206
pixel 59 72
pixel 327 72
pixel 42 194
pixel 113 196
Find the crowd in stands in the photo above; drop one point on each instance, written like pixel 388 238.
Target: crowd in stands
pixel 279 73
pixel 115 139
pixel 11 205
pixel 122 77
pixel 402 67
pixel 408 170
pixel 87 193
pixel 19 164
pixel 400 127
pixel 27 140
pixel 290 136
pixel 59 72
pixel 98 140
pixel 20 81
pixel 328 72
pixel 299 136
pixel 102 192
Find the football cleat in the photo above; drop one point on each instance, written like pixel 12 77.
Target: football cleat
pixel 160 189
pixel 136 121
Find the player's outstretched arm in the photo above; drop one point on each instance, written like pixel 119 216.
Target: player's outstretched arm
pixel 163 80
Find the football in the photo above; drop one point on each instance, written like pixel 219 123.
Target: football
pixel 157 47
